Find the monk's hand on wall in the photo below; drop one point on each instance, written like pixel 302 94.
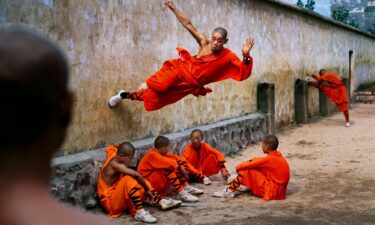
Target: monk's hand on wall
pixel 247 46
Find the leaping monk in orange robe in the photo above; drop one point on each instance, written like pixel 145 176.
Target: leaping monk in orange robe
pixel 165 170
pixel 333 87
pixel 266 177
pixel 120 187
pixel 202 159
pixel 189 74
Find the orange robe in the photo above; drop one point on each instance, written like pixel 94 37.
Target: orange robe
pixel 162 171
pixel 208 162
pixel 188 75
pixel 334 89
pixel 267 177
pixel 116 198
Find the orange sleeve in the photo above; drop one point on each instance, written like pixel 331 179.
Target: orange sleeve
pixel 317 77
pixel 256 162
pixel 158 161
pixel 239 70
pixel 186 156
pixel 216 152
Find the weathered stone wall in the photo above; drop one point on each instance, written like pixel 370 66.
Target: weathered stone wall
pixel 117 44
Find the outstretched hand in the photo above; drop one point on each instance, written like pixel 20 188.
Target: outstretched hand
pixel 225 174
pixel 170 4
pixel 149 195
pixel 309 74
pixel 248 45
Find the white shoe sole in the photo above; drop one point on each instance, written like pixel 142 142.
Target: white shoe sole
pixel 167 207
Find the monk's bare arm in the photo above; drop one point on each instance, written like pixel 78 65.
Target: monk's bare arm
pixel 316 77
pixel 186 22
pixel 127 171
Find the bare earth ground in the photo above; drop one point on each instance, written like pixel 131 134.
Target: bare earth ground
pixel 332 179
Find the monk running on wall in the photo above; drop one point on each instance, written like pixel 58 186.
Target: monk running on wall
pixel 188 74
pixel 333 87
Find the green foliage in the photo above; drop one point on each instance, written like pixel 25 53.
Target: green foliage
pixel 371 31
pixel 310 5
pixel 299 3
pixel 368 86
pixel 342 14
pixel 353 23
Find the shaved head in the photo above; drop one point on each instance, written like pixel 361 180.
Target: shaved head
pixel 126 149
pixel 162 141
pixel 198 132
pixel 322 71
pixel 272 141
pixel 33 87
pixel 221 31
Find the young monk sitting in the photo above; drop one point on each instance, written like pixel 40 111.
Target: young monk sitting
pixel 189 74
pixel 120 187
pixel 267 177
pixel 164 170
pixel 202 159
pixel 333 87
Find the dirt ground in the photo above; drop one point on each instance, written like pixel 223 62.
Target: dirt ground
pixel 332 179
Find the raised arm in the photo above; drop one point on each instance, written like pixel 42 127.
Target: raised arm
pixel 127 171
pixel 186 22
pixel 316 77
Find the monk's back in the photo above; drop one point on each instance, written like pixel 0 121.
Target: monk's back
pixel 110 175
pixel 276 168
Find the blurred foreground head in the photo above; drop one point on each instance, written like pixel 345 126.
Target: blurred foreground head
pixel 35 101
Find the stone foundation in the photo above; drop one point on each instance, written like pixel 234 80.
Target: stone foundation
pixel 364 96
pixel 74 176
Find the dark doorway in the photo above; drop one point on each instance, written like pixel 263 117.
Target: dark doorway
pixel 266 104
pixel 301 101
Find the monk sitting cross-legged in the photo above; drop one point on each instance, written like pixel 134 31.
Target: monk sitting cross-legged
pixel 333 87
pixel 267 177
pixel 120 187
pixel 165 170
pixel 202 159
pixel 189 74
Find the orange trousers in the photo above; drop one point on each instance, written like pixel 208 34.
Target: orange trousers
pixel 161 180
pixel 259 185
pixel 127 193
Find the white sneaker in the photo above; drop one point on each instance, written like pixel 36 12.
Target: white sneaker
pixel 231 178
pixel 193 191
pixel 114 100
pixel 143 86
pixel 243 188
pixel 206 181
pixel 167 203
pixel 145 216
pixel 347 124
pixel 186 197
pixel 225 193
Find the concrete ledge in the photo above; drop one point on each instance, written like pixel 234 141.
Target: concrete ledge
pixel 364 96
pixel 74 176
